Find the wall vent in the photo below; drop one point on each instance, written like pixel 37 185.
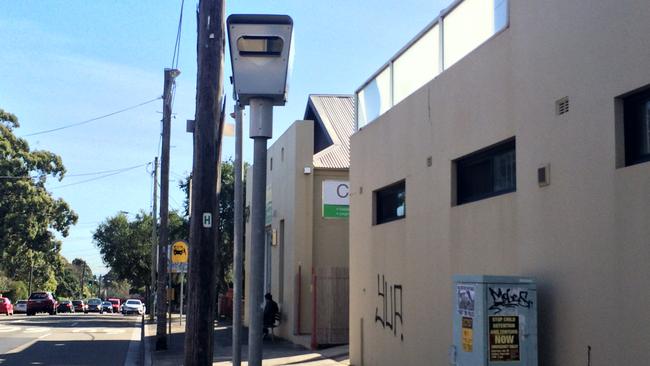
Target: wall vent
pixel 544 175
pixel 562 106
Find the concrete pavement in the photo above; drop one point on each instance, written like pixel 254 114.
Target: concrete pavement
pixel 70 339
pixel 278 352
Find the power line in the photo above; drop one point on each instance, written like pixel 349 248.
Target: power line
pixel 102 172
pixel 177 48
pixel 93 119
pixel 100 177
pixel 15 177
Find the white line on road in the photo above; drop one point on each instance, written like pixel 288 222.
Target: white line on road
pixel 133 352
pixel 27 345
pixel 9 329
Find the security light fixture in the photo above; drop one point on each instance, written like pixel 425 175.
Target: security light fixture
pixel 260 47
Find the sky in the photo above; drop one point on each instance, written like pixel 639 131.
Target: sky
pixel 67 61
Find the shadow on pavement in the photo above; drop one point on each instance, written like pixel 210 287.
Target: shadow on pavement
pixel 280 350
pixel 70 353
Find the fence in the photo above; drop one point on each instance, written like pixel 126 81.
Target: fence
pixel 330 306
pixel 458 30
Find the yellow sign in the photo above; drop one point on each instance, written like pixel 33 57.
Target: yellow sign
pixel 180 252
pixel 467 334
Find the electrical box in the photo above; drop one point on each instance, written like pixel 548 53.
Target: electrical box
pixel 494 321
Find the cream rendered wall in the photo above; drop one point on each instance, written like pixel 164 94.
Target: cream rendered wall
pixel 291 191
pixel 331 236
pixel 584 237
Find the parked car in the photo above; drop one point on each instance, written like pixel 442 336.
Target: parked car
pixel 95 306
pixel 20 307
pixel 65 307
pixel 107 307
pixel 116 305
pixel 41 302
pixel 6 307
pixel 133 306
pixel 80 306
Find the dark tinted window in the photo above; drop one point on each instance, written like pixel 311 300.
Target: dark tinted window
pixel 38 295
pixel 390 203
pixel 486 173
pixel 636 115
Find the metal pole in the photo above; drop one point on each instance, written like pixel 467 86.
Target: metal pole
pixel 31 273
pixel 239 243
pixel 154 241
pixel 161 336
pixel 182 275
pixel 261 120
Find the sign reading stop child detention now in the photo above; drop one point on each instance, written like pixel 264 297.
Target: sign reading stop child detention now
pixel 336 199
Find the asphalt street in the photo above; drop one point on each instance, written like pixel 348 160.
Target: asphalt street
pixel 70 339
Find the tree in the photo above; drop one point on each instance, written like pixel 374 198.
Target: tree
pixel 125 245
pixel 29 215
pixel 226 221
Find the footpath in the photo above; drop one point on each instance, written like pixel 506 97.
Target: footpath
pixel 275 352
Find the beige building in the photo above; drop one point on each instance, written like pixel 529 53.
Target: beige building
pixel 307 229
pixel 516 142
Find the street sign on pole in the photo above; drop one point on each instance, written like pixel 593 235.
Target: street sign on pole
pixel 179 255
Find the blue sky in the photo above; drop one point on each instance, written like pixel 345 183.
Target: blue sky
pixel 63 62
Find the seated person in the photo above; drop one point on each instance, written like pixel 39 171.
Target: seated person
pixel 271 312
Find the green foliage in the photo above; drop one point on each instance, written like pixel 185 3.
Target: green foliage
pixel 226 221
pixel 125 245
pixel 29 215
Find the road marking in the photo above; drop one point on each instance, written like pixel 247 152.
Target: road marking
pixel 36 330
pixel 27 345
pixel 132 355
pixel 9 329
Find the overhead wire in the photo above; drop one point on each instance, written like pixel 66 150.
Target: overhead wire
pixel 100 177
pixel 93 119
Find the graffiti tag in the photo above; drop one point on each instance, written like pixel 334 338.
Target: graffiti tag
pixel 508 298
pixel 390 314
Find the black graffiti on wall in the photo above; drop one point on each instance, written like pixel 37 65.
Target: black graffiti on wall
pixel 508 298
pixel 389 311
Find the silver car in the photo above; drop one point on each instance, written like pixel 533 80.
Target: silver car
pixel 20 306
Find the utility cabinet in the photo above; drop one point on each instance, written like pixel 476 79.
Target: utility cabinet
pixel 494 321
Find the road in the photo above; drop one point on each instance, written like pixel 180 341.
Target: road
pixel 70 339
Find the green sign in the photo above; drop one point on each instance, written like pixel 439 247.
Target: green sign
pixel 336 211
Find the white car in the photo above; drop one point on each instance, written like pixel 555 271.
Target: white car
pixel 133 306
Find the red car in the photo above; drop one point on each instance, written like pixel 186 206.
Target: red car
pixel 6 307
pixel 116 304
pixel 42 302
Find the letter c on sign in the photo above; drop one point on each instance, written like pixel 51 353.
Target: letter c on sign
pixel 343 190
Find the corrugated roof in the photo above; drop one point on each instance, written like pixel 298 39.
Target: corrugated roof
pixel 335 113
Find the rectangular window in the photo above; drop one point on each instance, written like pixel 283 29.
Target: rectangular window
pixel 390 203
pixel 486 173
pixel 636 125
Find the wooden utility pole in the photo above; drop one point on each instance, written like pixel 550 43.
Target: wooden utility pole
pixel 161 306
pixel 154 240
pixel 199 331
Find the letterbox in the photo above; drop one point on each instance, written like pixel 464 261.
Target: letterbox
pixel 494 321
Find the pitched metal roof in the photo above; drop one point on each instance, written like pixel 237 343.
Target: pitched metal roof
pixel 335 114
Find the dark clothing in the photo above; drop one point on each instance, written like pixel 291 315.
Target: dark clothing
pixel 271 312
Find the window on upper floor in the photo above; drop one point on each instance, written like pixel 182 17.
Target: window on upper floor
pixel 636 126
pixel 390 203
pixel 486 173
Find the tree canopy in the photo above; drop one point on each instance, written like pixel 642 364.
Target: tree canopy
pixel 125 245
pixel 29 216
